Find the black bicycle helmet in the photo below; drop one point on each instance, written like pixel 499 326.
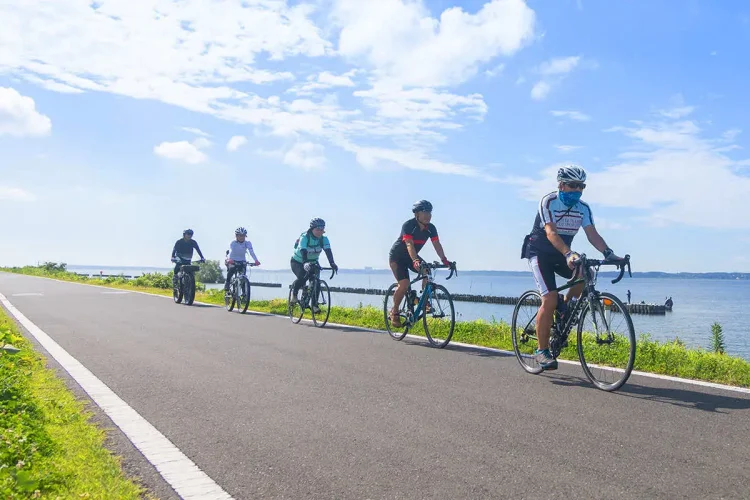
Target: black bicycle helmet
pixel 422 206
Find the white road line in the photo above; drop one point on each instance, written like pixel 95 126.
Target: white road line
pixel 28 294
pixel 670 378
pixel 178 470
pixel 116 293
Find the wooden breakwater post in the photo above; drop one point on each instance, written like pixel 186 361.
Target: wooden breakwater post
pixel 650 309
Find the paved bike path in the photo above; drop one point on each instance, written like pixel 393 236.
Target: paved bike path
pixel 273 410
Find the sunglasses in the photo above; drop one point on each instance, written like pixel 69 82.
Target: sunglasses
pixel 576 185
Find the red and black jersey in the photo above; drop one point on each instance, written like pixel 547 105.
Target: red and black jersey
pixel 412 231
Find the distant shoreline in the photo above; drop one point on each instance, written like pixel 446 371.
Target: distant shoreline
pixel 644 274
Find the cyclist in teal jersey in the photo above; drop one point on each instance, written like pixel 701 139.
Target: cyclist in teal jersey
pixel 308 248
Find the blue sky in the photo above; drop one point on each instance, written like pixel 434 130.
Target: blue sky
pixel 117 124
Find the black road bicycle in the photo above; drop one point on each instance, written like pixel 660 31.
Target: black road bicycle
pixel 607 354
pixel 315 296
pixel 183 287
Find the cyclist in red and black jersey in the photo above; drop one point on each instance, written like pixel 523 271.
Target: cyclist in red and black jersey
pixel 404 252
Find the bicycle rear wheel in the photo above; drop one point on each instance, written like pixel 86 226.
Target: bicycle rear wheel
pixel 243 295
pixel 295 309
pixel 324 304
pixel 606 342
pixel 523 330
pixel 441 320
pixel 403 313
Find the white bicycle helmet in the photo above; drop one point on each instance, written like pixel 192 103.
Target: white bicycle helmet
pixel 571 173
pixel 240 230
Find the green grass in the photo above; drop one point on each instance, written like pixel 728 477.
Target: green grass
pixel 666 358
pixel 48 446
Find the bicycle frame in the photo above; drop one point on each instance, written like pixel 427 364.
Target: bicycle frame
pixel 424 273
pixel 589 293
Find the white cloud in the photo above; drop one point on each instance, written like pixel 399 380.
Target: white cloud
pixel 573 115
pixel 195 131
pixel 324 80
pixel 401 41
pixel 211 61
pixel 553 72
pixel 491 73
pixel 15 194
pixel 19 117
pixel 671 174
pixel 540 90
pixel 182 151
pixel 305 155
pixel 567 148
pixel 559 66
pixel 236 142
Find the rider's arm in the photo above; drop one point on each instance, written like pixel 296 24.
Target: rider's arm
pixel 596 239
pixel 303 247
pixel 436 244
pixel 249 247
pixel 197 248
pixel 410 247
pixel 593 235
pixel 327 250
pixel 551 229
pixel 174 249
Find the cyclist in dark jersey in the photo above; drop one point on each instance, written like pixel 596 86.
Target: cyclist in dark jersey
pixel 183 251
pixel 559 217
pixel 404 252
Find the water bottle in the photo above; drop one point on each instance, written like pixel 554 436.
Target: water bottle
pixel 560 304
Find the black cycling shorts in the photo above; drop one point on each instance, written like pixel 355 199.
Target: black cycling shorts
pixel 545 266
pixel 403 266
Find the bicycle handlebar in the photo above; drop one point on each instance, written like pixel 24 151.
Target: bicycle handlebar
pixel 625 261
pixel 333 272
pixel 438 265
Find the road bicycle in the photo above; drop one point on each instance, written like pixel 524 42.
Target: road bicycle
pixel 315 296
pixel 434 306
pixel 183 285
pixel 239 288
pixel 606 355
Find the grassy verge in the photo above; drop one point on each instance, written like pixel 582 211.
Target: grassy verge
pixel 48 446
pixel 666 358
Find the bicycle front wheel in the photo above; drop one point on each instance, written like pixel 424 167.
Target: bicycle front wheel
pixel 295 309
pixel 606 342
pixel 324 305
pixel 229 297
pixel 439 318
pixel 523 330
pixel 189 289
pixel 177 292
pixel 403 313
pixel 243 297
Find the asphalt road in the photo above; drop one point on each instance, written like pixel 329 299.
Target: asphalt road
pixel 269 409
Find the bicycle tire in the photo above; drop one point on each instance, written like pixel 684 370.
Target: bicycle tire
pixel 387 313
pixel 630 337
pixel 435 289
pixel 189 289
pixel 230 298
pixel 296 318
pixel 177 292
pixel 325 293
pixel 521 338
pixel 243 300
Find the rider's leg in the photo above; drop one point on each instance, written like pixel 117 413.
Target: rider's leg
pixel 177 267
pixel 230 272
pixel 401 274
pixel 544 276
pixel 299 271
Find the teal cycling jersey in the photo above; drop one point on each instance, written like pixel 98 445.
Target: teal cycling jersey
pixel 313 245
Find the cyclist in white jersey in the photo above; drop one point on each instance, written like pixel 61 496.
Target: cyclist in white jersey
pixel 559 217
pixel 238 248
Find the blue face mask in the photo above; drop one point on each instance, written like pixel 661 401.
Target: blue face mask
pixel 570 198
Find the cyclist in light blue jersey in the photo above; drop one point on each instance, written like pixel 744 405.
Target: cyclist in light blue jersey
pixel 308 248
pixel 559 217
